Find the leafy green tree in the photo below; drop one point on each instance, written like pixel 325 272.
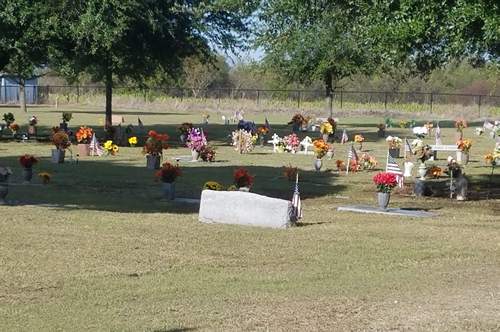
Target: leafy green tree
pixel 116 40
pixel 316 40
pixel 26 32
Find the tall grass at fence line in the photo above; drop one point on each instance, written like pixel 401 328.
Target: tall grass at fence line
pixel 161 102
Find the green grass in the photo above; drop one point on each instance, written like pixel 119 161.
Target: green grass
pixel 98 248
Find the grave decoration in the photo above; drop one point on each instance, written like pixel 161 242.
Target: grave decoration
pixel 196 141
pixel 27 161
pixel 153 148
pixel 479 131
pixel 460 125
pixel 167 174
pixel 464 146
pixel 389 123
pixel 394 144
pixel 381 129
pixel 32 122
pixel 320 150
pixel 429 125
pixel 434 172
pixel 94 147
pixel 83 137
pixel 367 162
pixel 352 160
pixel 493 158
pixel 306 143
pixel 45 177
pixel 242 179
pixel 340 165
pixel 385 182
pixel 277 142
pixel 132 141
pixel 326 129
pixel 205 118
pixel 359 139
pixel 207 153
pixel 111 148
pixel 8 118
pixel 213 185
pixel 5 173
pixel 14 128
pixel 61 141
pixel 184 129
pixel 459 184
pixel 290 172
pixel 297 122
pixel 292 143
pixel 420 132
pixel 262 131
pixel 404 124
pixel 66 117
pixel 243 141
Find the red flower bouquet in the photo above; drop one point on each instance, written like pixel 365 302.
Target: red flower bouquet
pixel 168 172
pixel 385 182
pixel 27 161
pixel 156 143
pixel 242 178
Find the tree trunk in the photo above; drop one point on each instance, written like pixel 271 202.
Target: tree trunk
pixel 109 99
pixel 329 92
pixel 22 95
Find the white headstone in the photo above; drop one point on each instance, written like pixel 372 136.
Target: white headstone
pixel 244 208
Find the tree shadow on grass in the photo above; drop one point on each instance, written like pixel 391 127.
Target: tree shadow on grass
pixel 115 185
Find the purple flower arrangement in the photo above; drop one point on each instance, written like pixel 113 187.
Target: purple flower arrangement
pixel 196 139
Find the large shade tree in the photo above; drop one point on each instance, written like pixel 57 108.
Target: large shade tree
pixel 316 40
pixel 132 40
pixel 27 29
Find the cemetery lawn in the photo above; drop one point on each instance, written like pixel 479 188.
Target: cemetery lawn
pixel 98 248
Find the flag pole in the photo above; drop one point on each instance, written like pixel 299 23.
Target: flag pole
pixel 348 161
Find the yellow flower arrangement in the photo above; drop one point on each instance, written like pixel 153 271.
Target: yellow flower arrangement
pixel 111 148
pixel 326 128
pixel 320 148
pixel 45 177
pixel 359 138
pixel 489 158
pixel 213 185
pixel 132 141
pixel 464 145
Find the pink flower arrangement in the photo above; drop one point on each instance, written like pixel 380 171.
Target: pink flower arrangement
pixel 385 181
pixel 196 139
pixel 292 142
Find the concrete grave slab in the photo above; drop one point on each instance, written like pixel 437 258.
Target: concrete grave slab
pixel 390 211
pixel 243 208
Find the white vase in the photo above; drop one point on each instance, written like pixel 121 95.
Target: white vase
pixel 329 154
pixel 408 168
pixel 422 171
pixel 195 155
pixel 462 157
pixel 317 164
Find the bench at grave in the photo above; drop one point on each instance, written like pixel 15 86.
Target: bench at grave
pixel 244 208
pixel 447 148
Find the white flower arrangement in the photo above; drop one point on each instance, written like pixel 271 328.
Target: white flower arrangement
pixel 243 141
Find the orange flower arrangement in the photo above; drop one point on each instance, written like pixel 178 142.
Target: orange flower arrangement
pixel 60 139
pixel 340 165
pixel 320 148
pixel 14 127
pixel 435 172
pixel 464 145
pixel 359 138
pixel 84 135
pixel 262 130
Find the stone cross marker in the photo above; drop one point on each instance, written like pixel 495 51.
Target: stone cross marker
pixel 306 144
pixel 275 141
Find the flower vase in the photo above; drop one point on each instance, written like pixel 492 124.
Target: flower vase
pixel 325 137
pixel 32 130
pixel 408 168
pixel 169 190
pixel 182 138
pixel 27 174
pixel 383 200
pixel 195 155
pixel 462 157
pixel 295 127
pixel 329 154
pixel 58 156
pixel 317 164
pixel 394 152
pixel 244 189
pixel 381 133
pixel 83 150
pixel 261 141
pixel 152 161
pixel 422 171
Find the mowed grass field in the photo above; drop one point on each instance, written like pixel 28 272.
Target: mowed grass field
pixel 99 249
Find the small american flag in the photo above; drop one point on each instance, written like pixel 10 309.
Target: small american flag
pixel 344 137
pixel 393 167
pixel 437 133
pixel 296 203
pixel 95 147
pixel 352 154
